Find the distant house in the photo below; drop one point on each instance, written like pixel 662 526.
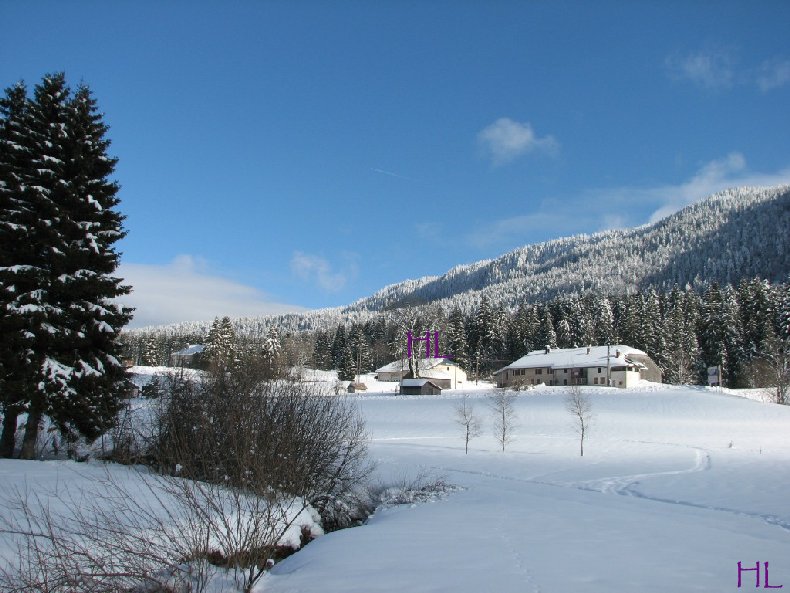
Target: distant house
pixel 419 387
pixel 616 365
pixel 444 372
pixel 186 357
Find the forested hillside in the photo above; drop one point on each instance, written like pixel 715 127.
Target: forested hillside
pixel 705 286
pixel 739 233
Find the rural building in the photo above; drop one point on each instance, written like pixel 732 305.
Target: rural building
pixel 186 357
pixel 616 365
pixel 419 387
pixel 442 371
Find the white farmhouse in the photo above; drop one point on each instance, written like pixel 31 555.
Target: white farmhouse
pixel 616 365
pixel 442 371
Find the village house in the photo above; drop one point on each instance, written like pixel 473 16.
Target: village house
pixel 187 356
pixel 442 371
pixel 615 365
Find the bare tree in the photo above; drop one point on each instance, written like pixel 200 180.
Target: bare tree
pixel 580 408
pixel 504 416
pixel 465 416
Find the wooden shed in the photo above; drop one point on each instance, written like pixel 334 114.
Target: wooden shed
pixel 419 387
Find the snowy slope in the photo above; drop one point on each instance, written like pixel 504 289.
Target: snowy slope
pixel 661 502
pixel 676 486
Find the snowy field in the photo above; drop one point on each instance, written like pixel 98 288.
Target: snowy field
pixel 677 486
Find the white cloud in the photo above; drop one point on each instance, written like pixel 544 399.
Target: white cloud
pixel 312 268
pixel 773 74
pixel 622 207
pixel 712 69
pixel 184 290
pixel 712 177
pixel 505 139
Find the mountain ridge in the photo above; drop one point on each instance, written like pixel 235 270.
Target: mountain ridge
pixel 740 232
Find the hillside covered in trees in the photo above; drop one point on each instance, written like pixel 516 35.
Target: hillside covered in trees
pixel 705 286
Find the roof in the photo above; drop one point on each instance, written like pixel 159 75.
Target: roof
pixel 417 383
pixel 425 364
pixel 190 350
pixel 574 358
pixel 435 374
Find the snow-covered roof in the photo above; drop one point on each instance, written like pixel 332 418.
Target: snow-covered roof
pixel 435 374
pixel 425 364
pixel 574 358
pixel 190 350
pixel 417 383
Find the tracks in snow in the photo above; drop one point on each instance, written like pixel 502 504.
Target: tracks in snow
pixel 626 485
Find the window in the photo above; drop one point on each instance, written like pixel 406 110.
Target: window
pixel 564 381
pixel 538 371
pixel 551 371
pixel 595 380
pixel 599 369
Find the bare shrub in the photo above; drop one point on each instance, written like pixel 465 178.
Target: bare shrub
pixel 504 417
pixel 470 424
pixel 579 407
pixel 242 460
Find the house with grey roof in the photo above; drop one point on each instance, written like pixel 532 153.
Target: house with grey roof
pixel 616 365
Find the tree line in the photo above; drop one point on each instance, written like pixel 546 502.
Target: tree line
pixel 742 328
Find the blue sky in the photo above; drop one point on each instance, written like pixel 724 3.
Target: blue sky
pixel 278 155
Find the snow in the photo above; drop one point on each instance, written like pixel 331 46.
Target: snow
pixel 660 502
pixel 425 363
pixel 677 485
pixel 566 358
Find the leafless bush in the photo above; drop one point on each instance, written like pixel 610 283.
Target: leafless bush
pixel 504 417
pixel 241 458
pixel 470 424
pixel 108 539
pixel 263 437
pixel 579 407
pixel 424 487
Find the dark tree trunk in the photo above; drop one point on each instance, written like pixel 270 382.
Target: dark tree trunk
pixel 8 437
pixel 31 434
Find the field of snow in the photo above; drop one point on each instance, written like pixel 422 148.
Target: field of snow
pixel 677 486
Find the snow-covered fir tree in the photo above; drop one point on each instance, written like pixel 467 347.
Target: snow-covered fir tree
pixel 221 344
pixel 64 293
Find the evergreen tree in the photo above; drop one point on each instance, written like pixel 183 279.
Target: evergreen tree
pixel 485 334
pixel 338 346
pixel 783 314
pixel 152 353
pixel 63 288
pixel 348 366
pixel 271 351
pixel 719 329
pixel 604 321
pixel 17 279
pixel 456 338
pixel 681 347
pixel 322 353
pixel 546 334
pixel 221 344
pixel 360 351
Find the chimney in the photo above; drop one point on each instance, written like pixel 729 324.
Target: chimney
pixel 548 348
pixel 617 353
pixel 588 349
